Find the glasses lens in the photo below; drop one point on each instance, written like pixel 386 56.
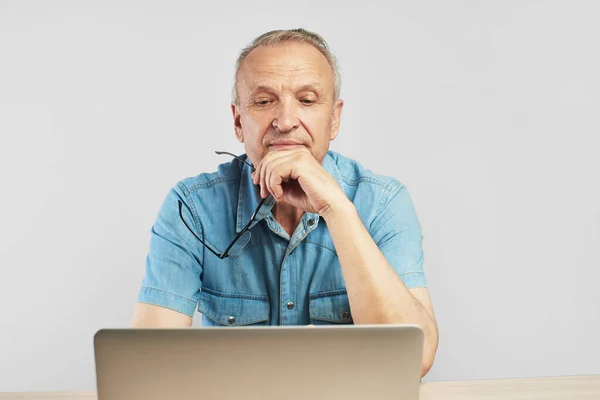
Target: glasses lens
pixel 240 244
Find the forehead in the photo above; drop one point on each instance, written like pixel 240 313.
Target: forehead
pixel 285 64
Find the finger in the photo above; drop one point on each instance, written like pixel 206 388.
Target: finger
pixel 262 177
pixel 267 164
pixel 257 172
pixel 276 173
pixel 264 168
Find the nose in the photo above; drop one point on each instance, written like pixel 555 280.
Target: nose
pixel 286 118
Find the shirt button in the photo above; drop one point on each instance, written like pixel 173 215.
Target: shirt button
pixel 231 319
pixel 346 316
pixel 310 222
pixel 290 305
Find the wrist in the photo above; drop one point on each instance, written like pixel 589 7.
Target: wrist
pixel 340 206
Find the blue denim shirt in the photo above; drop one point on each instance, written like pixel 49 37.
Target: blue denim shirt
pixel 274 279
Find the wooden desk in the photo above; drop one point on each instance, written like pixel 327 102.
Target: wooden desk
pixel 556 388
pixel 559 388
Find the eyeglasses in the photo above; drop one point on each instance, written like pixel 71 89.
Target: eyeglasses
pixel 243 237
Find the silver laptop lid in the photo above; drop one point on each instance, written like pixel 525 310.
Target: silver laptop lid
pixel 326 362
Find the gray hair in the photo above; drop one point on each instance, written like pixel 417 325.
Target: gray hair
pixel 277 37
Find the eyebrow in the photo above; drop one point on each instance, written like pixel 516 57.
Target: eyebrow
pixel 315 87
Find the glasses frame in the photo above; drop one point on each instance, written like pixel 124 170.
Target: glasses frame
pixel 239 235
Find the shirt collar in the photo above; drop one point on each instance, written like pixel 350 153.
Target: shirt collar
pixel 249 194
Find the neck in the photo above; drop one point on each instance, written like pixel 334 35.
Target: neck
pixel 287 216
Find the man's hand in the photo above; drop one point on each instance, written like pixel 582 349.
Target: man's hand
pixel 297 178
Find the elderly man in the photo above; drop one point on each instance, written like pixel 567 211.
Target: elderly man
pixel 290 233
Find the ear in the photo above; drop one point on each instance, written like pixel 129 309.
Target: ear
pixel 337 115
pixel 237 123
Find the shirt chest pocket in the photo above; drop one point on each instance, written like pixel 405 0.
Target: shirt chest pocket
pixel 233 310
pixel 331 307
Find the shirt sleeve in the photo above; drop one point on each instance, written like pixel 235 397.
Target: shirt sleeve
pixel 397 232
pixel 174 261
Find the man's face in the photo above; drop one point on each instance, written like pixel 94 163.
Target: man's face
pixel 286 101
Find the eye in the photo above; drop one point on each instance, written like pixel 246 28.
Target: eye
pixel 307 101
pixel 262 102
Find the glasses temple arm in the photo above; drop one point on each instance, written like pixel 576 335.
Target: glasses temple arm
pixel 192 232
pixel 239 158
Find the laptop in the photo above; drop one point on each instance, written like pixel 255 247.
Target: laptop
pixel 268 362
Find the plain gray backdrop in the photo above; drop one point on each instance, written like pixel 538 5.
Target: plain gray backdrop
pixel 486 111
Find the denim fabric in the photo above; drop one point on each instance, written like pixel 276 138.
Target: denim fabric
pixel 274 279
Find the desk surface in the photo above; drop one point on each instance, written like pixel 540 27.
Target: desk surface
pixel 555 388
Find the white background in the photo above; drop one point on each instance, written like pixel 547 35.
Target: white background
pixel 487 111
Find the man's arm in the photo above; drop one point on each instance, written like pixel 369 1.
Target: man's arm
pixel 376 293
pixel 171 286
pixel 151 316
